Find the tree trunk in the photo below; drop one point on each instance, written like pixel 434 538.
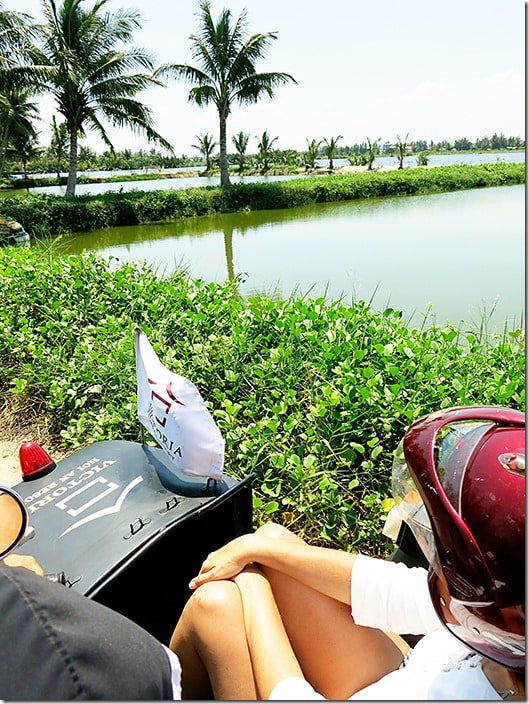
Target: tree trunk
pixel 72 168
pixel 223 161
pixel 3 149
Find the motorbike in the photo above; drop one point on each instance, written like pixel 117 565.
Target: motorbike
pixel 120 524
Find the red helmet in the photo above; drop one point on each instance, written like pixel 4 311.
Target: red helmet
pixel 460 476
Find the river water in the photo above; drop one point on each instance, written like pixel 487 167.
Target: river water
pixel 445 257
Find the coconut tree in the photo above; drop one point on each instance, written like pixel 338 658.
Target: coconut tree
pixel 23 147
pixel 372 151
pixel 240 142
pixel 15 32
pixel 226 72
pixel 17 112
pixel 402 147
pixel 265 150
pixel 17 116
pixel 311 154
pixel 331 146
pixel 206 144
pixel 86 59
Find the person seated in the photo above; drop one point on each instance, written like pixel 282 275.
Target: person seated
pixel 59 645
pixel 272 617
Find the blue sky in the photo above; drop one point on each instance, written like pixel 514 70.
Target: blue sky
pixel 436 70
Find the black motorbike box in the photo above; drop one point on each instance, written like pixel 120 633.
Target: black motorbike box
pixel 129 530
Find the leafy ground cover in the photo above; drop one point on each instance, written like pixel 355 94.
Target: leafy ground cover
pixel 311 396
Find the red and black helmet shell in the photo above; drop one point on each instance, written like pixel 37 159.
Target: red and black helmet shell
pixel 475 499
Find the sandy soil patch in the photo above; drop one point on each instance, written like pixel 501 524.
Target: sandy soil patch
pixel 11 438
pixel 9 464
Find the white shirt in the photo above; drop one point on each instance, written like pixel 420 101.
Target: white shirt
pixel 393 597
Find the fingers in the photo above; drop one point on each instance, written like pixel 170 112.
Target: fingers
pixel 224 563
pixel 217 565
pixel 205 575
pixel 26 561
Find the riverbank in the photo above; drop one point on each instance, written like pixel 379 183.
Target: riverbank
pixel 49 215
pixel 288 167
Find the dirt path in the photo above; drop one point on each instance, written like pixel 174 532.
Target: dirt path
pixel 9 465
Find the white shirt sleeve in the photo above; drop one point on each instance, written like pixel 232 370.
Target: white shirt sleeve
pixel 176 672
pixel 392 597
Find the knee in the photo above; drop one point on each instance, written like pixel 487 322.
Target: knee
pixel 275 531
pixel 215 599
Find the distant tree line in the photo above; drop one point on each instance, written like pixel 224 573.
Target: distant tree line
pixel 54 158
pixel 482 144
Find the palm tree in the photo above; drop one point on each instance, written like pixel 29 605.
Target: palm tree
pixel 401 149
pixel 24 147
pixel 15 32
pixel 240 142
pixel 78 59
pixel 330 149
pixel 226 72
pixel 312 153
pixel 16 88
pixel 265 150
pixel 17 114
pixel 206 145
pixel 372 151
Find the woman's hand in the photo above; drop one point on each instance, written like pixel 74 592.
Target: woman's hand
pixel 227 561
pixel 26 561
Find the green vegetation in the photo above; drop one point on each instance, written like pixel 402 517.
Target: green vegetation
pixel 265 151
pixel 45 160
pixel 311 396
pixel 205 145
pixel 47 215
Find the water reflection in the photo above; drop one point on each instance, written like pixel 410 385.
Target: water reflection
pixel 462 252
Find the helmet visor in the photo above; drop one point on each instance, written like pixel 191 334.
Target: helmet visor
pixel 410 504
pixel 454 445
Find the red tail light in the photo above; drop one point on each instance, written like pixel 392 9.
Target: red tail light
pixel 34 461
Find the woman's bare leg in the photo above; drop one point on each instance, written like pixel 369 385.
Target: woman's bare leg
pixel 210 642
pixel 337 656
